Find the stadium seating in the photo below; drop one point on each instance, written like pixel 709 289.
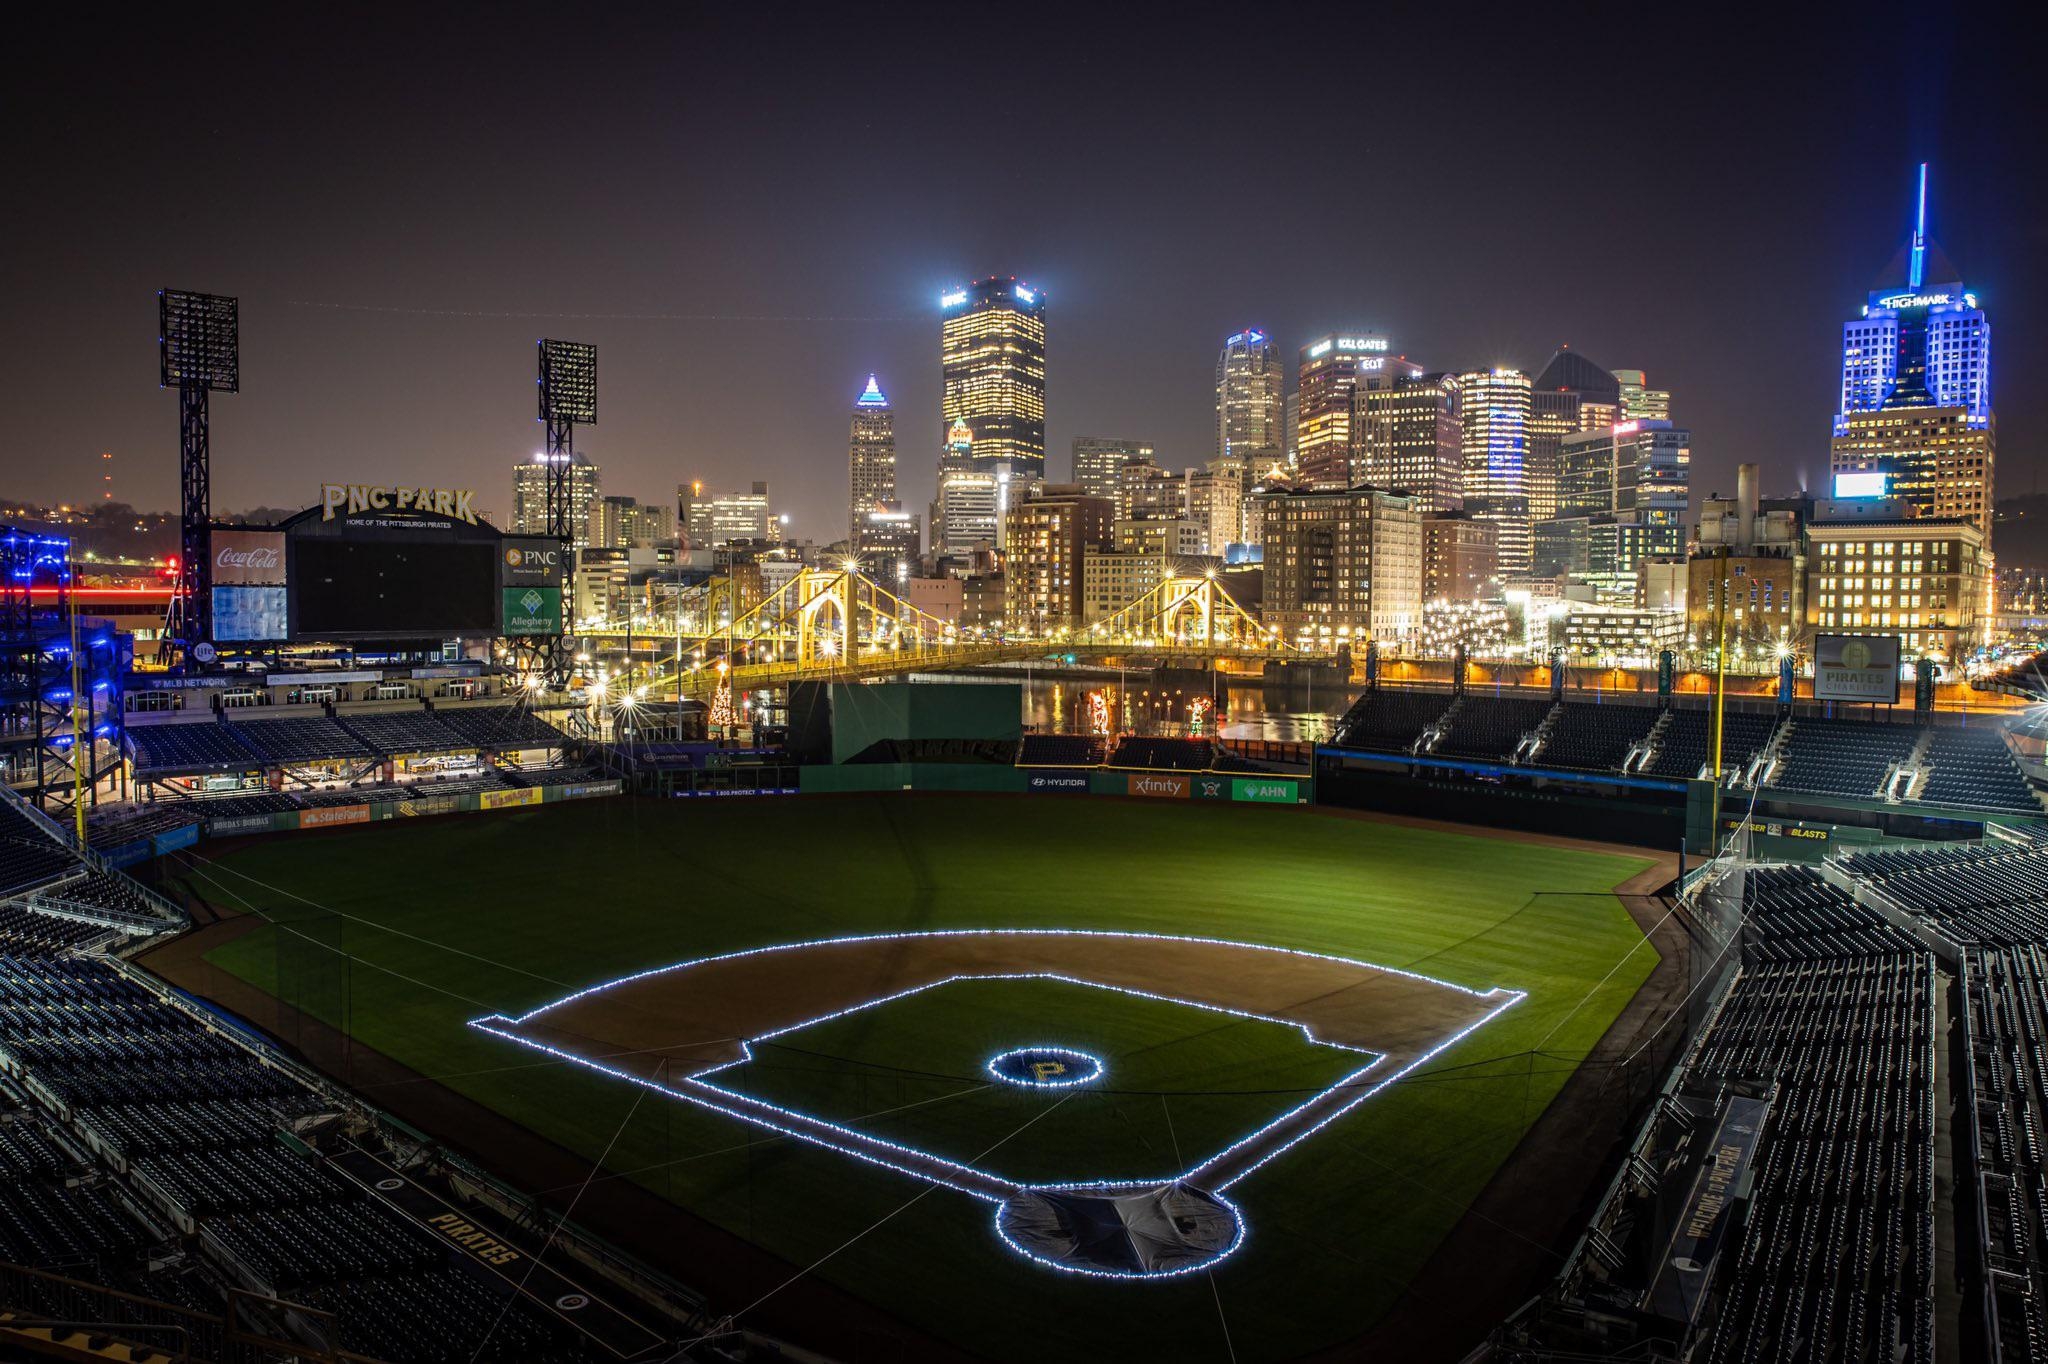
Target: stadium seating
pixel 1988 897
pixel 1793 914
pixel 1687 743
pixel 2007 1013
pixel 188 748
pixel 1595 736
pixel 1390 720
pixel 300 739
pixel 1490 728
pixel 192 1116
pixel 1841 757
pixel 29 856
pixel 404 731
pixel 1177 755
pixel 1062 750
pixel 500 727
pixel 1837 1248
pixel 111 828
pixel 1973 768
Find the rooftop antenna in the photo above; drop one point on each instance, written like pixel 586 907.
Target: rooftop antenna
pixel 1917 268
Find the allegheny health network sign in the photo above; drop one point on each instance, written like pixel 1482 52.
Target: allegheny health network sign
pixel 533 610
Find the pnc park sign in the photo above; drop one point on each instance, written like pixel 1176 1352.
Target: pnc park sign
pixel 347 499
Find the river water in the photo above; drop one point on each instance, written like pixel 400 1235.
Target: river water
pixel 1149 707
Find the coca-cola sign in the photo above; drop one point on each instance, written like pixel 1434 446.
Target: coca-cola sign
pixel 251 558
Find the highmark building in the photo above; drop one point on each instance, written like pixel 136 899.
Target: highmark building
pixel 1915 418
pixel 992 357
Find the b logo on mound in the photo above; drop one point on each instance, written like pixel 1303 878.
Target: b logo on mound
pixel 1045 1067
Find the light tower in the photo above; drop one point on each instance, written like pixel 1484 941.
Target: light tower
pixel 568 395
pixel 198 351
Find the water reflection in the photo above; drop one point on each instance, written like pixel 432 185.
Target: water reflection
pixel 1146 707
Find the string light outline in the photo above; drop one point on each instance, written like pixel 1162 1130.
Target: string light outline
pixel 500 1025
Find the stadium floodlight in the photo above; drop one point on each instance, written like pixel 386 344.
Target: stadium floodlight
pixel 568 383
pixel 199 352
pixel 199 340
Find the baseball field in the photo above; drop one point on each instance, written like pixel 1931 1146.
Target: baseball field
pixel 852 1031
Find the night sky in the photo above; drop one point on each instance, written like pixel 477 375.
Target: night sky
pixel 748 214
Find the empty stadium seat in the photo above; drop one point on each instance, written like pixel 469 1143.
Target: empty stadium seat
pixel 1596 736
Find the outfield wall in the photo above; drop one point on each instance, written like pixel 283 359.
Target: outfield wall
pixel 368 812
pixel 1249 788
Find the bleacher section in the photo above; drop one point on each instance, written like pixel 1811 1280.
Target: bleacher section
pixel 29 856
pixel 1687 743
pixel 300 739
pixel 1062 750
pixel 1836 1250
pixel 1792 914
pixel 1490 728
pixel 1973 767
pixel 1389 720
pixel 496 728
pixel 1990 897
pixel 1595 737
pixel 188 748
pixel 1175 755
pixel 2006 1008
pixel 403 732
pixel 192 1117
pixel 1841 757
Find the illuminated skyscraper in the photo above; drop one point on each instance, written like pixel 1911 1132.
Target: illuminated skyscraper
pixel 1921 345
pixel 1916 392
pixel 1330 370
pixel 530 498
pixel 1409 437
pixel 1249 380
pixel 1494 418
pixel 1570 396
pixel 992 352
pixel 1640 402
pixel 1099 461
pixel 871 460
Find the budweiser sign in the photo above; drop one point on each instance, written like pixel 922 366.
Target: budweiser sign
pixel 252 558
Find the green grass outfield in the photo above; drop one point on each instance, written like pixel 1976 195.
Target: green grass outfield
pixel 449 918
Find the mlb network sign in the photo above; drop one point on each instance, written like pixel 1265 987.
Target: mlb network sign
pixel 347 499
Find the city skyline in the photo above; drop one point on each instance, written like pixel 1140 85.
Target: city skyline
pixel 729 361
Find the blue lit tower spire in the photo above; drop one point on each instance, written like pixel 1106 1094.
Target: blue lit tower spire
pixel 871 396
pixel 1917 270
pixel 1927 344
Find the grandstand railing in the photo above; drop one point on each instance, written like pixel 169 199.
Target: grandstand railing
pixel 169 915
pixel 37 1305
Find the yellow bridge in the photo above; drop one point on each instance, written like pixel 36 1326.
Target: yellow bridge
pixel 839 625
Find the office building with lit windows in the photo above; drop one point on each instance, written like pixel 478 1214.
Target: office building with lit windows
pixel 1493 413
pixel 724 518
pixel 1638 400
pixel 1409 437
pixel 1931 458
pixel 1047 535
pixel 966 513
pixel 1099 460
pixel 992 358
pixel 1341 564
pixel 1330 369
pixel 530 498
pixel 870 459
pixel 1922 578
pixel 1250 380
pixel 1570 396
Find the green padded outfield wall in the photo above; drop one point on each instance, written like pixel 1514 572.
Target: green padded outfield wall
pixel 863 715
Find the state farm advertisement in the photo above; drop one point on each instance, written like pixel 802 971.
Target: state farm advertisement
pixel 248 558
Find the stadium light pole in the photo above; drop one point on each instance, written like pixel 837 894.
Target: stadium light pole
pixel 568 396
pixel 198 352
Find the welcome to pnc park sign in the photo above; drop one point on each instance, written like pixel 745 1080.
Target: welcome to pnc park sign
pixel 347 499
